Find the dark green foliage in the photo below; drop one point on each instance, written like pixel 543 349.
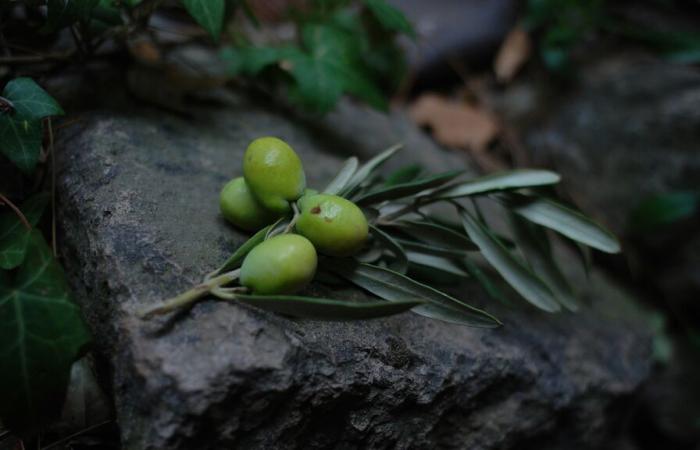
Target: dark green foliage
pixel 41 336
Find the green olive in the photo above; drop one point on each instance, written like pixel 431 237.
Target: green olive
pixel 239 207
pixel 274 173
pixel 336 226
pixel 282 264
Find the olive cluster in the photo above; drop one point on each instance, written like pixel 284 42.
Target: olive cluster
pixel 273 186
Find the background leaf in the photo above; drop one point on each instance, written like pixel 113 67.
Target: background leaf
pixel 62 13
pixel 14 235
pixel 370 166
pixel 20 141
pixel 208 13
pixel 326 309
pixel 41 336
pixel 515 273
pixel 391 18
pixel 30 101
pixel 663 209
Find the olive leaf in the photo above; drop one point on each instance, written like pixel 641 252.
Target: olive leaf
pixel 393 286
pixel 533 243
pixel 366 170
pixel 401 190
pixel 343 177
pixel 515 273
pixel 565 221
pixel 431 249
pixel 400 262
pixel 326 309
pixel 434 234
pixel 486 282
pixel 41 336
pixel 403 175
pixel 239 255
pixel 14 235
pixel 514 179
pixel 440 263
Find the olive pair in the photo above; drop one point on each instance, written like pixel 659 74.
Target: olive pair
pixel 274 177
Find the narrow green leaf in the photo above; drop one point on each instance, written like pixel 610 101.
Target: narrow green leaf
pixel 534 247
pixel 370 166
pixel 41 336
pixel 208 13
pixel 239 255
pixel 327 309
pixel 435 234
pixel 20 141
pixel 515 273
pixel 440 263
pixel 14 235
pixel 393 286
pixel 515 179
pixel 390 17
pixel 402 190
pixel 29 100
pixel 486 282
pixel 566 221
pixel 431 249
pixel 343 177
pixel 400 263
pixel 403 175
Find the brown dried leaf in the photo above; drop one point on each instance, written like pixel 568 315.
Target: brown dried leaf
pixel 513 54
pixel 455 124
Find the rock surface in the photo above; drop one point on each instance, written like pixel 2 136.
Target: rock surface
pixel 139 222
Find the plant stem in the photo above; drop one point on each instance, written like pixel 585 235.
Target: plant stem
pixel 22 218
pixel 294 219
pixel 190 296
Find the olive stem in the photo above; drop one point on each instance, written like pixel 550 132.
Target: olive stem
pixel 294 219
pixel 190 296
pixel 228 293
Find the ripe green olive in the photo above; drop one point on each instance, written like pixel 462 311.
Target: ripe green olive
pixel 336 226
pixel 282 264
pixel 274 173
pixel 239 207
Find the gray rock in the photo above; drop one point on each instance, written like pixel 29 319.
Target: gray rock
pixel 139 222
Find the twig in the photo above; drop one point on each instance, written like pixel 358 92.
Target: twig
pixel 189 297
pixel 34 59
pixel 81 432
pixel 21 216
pixel 53 191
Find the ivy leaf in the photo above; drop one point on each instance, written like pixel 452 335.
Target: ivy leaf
pixel 41 336
pixel 30 101
pixel 327 309
pixel 62 13
pixel 251 61
pixel 513 271
pixel 514 179
pixel 393 286
pixel 208 13
pixel 664 209
pixel 14 235
pixel 391 18
pixel 317 86
pixel 565 221
pixel 20 141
